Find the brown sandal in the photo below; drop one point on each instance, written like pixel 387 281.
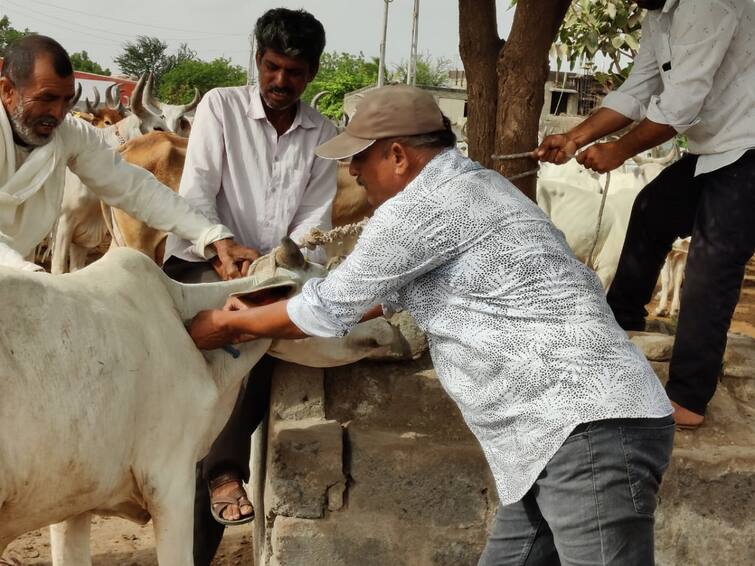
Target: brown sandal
pixel 220 503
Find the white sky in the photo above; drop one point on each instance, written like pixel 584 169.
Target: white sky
pixel 215 28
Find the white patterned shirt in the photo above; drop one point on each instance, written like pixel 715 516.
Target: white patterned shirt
pixel 695 71
pixel 520 333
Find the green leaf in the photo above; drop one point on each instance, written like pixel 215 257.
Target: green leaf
pixel 631 41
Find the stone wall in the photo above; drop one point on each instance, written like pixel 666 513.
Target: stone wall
pixel 371 464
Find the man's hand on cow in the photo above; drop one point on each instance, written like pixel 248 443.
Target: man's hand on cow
pixel 602 157
pixel 558 149
pixel 233 260
pixel 211 329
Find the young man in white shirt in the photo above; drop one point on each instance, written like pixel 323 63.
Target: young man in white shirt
pixel 694 74
pixel 251 164
pixel 573 422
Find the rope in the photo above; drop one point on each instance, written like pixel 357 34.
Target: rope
pixel 523 154
pixel 590 258
pixel 513 155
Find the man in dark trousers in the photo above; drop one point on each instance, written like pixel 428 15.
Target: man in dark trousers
pixel 694 74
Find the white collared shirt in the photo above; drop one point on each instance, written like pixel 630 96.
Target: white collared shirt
pixel 262 186
pixel 695 71
pixel 520 333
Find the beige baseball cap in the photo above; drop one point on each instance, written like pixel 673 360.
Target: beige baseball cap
pixel 385 112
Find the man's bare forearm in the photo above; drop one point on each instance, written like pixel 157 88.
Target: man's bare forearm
pixel 605 121
pixel 645 136
pixel 268 321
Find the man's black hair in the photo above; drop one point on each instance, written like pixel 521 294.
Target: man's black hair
pixel 295 33
pixel 18 64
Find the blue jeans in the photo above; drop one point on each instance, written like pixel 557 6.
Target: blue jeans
pixel 593 504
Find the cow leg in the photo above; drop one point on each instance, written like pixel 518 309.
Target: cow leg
pixel 663 293
pixel 172 510
pixel 69 541
pixel 61 247
pixel 77 257
pixel 677 277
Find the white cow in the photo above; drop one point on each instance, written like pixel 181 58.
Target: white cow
pixel 672 276
pixel 106 405
pixel 173 114
pixel 571 196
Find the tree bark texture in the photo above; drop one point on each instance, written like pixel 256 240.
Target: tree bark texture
pixel 522 68
pixel 506 80
pixel 479 46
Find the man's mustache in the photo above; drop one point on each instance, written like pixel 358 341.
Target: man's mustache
pixel 282 91
pixel 46 120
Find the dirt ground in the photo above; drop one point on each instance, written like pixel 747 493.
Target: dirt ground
pixel 116 542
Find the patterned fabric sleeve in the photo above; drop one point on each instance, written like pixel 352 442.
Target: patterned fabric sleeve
pixel 403 241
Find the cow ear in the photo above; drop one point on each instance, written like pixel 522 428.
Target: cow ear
pixel 289 255
pixel 265 295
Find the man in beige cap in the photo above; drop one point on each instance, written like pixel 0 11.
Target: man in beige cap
pixel 574 424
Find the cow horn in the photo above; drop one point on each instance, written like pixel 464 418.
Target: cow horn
pixel 76 96
pixel 316 98
pixel 193 104
pixel 137 107
pixel 148 95
pixel 289 255
pixel 113 97
pixel 92 107
pixel 119 100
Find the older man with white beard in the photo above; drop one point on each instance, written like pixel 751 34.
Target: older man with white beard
pixel 38 140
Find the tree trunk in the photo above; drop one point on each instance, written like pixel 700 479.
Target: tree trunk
pixel 522 73
pixel 506 80
pixel 479 46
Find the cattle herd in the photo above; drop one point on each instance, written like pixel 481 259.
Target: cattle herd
pixel 112 445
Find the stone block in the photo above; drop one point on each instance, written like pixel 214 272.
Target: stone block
pixel 296 392
pixel 343 540
pixel 305 459
pixel 661 370
pixel 739 359
pixel 394 396
pixel 656 347
pixel 330 542
pixel 706 509
pixel 414 478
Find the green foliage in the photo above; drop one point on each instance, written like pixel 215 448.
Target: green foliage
pixel 82 62
pixel 177 85
pixel 430 72
pixel 610 27
pixel 340 73
pixel 9 34
pixel 149 54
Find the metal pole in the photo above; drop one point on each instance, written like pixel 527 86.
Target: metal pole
pixel 411 74
pixel 381 64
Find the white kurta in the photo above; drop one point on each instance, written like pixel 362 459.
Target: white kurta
pixel 31 193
